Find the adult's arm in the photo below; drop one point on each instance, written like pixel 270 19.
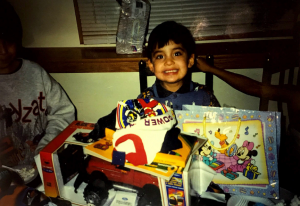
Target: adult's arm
pixel 250 86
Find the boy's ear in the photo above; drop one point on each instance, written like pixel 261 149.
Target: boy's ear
pixel 150 65
pixel 191 60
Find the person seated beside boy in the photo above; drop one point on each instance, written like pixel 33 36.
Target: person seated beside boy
pixel 34 108
pixel 171 53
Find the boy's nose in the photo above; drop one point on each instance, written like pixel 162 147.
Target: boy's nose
pixel 3 47
pixel 169 61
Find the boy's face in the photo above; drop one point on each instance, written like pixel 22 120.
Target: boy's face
pixel 8 53
pixel 170 65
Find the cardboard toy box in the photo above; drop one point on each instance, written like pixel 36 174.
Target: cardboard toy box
pixel 59 183
pixel 54 182
pixel 177 191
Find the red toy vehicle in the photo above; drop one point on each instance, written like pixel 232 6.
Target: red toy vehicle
pixel 103 176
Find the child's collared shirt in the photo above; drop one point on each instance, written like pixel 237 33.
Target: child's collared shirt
pixel 188 93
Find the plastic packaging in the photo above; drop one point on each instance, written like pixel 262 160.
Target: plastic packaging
pixel 243 200
pixel 242 147
pixel 132 26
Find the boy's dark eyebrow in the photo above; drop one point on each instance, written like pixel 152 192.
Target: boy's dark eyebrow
pixel 179 48
pixel 157 51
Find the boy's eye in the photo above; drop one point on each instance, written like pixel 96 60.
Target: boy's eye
pixel 177 53
pixel 159 57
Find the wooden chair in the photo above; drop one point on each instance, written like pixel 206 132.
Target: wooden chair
pixel 271 67
pixel 144 72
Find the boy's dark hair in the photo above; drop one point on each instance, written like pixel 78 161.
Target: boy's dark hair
pixel 10 24
pixel 167 31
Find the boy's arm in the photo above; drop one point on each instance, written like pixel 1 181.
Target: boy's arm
pixel 247 85
pixel 61 112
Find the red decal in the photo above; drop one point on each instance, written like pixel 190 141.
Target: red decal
pixel 138 158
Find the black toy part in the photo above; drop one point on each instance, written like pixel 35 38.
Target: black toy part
pixel 83 137
pixel 96 192
pixel 71 161
pixel 150 196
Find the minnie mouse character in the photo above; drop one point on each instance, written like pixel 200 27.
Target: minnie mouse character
pixel 243 156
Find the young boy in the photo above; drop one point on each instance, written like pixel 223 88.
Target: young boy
pixel 33 107
pixel 171 53
pixel 171 50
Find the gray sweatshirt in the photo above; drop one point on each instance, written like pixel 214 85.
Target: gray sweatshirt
pixel 33 110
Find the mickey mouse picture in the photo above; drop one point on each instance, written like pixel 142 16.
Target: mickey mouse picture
pixel 243 156
pixel 207 153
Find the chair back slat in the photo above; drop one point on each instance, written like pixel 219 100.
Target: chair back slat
pixel 266 80
pixel 142 75
pixel 208 76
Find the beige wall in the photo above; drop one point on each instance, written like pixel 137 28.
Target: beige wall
pixel 48 23
pixel 96 95
pixel 53 24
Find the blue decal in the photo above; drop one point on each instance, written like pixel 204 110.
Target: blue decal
pixel 247 128
pixel 47 170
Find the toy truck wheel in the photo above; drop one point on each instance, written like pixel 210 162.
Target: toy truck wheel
pixel 96 192
pixel 92 198
pixel 98 175
pixel 150 196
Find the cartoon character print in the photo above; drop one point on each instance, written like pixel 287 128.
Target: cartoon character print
pixel 134 111
pixel 243 156
pixel 223 142
pixel 150 108
pixel 139 109
pixel 147 95
pixel 207 153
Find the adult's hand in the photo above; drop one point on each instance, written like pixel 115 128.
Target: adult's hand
pixel 202 65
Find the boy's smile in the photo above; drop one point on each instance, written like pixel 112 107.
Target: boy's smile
pixel 170 65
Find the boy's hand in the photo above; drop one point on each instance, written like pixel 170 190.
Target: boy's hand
pixel 202 64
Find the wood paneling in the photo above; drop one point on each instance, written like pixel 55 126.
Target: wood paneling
pixel 235 55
